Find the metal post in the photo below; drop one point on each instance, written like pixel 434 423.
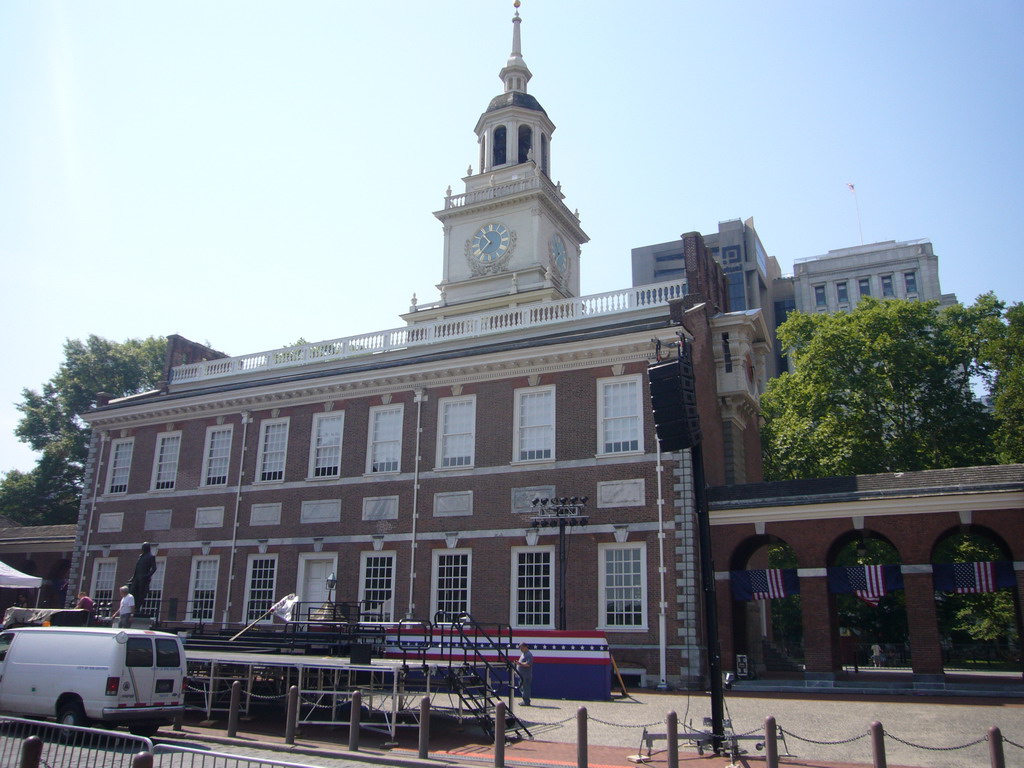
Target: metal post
pixel 233 707
pixel 561 573
pixel 707 574
pixel 995 748
pixel 293 715
pixel 424 727
pixel 771 744
pixel 581 737
pixel 143 760
pixel 31 752
pixel 499 735
pixel 354 716
pixel 672 739
pixel 878 745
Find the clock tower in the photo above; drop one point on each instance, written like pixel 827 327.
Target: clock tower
pixel 509 237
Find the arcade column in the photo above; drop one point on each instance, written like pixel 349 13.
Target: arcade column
pixel 821 633
pixel 923 626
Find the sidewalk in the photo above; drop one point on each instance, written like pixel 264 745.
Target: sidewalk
pixel 614 734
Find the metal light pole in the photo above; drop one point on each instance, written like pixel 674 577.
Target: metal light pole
pixel 561 512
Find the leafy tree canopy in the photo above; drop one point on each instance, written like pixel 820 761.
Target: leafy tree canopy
pixel 1004 356
pixel 49 493
pixel 887 387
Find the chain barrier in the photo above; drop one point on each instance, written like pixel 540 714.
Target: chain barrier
pixel 570 718
pixel 251 694
pixel 906 743
pixel 823 743
pixel 1012 743
pixel 621 725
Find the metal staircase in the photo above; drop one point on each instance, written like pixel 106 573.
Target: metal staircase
pixel 477 680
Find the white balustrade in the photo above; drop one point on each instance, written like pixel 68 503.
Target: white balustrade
pixel 449 329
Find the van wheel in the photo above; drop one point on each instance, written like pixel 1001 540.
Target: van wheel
pixel 143 729
pixel 72 714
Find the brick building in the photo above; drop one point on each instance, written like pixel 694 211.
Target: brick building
pixel 405 462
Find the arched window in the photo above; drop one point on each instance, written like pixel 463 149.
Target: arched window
pixel 525 143
pixel 544 154
pixel 498 153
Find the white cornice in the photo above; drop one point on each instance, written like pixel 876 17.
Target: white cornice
pixel 890 505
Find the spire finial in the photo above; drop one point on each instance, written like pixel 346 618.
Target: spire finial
pixel 515 74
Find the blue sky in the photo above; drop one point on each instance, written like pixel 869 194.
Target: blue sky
pixel 248 173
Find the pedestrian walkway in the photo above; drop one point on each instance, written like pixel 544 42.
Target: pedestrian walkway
pixel 821 732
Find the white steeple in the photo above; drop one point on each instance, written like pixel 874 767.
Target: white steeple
pixel 515 75
pixel 509 234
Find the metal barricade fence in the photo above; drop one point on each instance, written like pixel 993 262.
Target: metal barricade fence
pixel 171 756
pixel 68 746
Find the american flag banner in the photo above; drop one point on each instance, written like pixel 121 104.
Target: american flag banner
pixel 764 584
pixel 870 583
pixel 973 578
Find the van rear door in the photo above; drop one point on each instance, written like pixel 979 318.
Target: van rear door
pixel 153 667
pixel 139 678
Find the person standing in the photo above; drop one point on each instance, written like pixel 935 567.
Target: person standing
pixel 126 610
pixel 524 666
pixel 86 604
pixel 145 567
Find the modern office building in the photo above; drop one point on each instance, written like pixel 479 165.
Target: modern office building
pixel 750 271
pixel 837 281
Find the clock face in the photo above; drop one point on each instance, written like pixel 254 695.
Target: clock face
pixel 559 255
pixel 490 243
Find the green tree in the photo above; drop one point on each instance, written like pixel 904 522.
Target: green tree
pixel 1004 353
pixel 887 387
pixel 50 492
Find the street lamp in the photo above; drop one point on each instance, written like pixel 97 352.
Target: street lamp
pixel 560 512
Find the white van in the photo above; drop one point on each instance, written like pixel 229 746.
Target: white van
pixel 79 675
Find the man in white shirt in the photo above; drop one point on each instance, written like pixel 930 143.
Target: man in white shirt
pixel 126 610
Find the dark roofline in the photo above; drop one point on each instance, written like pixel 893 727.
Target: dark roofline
pixel 931 482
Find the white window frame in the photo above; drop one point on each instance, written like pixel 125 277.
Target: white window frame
pixel 602 586
pixel 636 416
pixel 115 467
pixel 208 457
pixel 545 431
pixel 372 442
pixel 194 586
pixel 515 588
pixel 435 575
pixel 316 445
pixel 165 470
pixel 246 613
pixel 447 439
pixel 104 569
pixel 263 455
pixel 890 282
pixel 388 611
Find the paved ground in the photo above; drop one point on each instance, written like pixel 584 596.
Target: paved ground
pixel 821 731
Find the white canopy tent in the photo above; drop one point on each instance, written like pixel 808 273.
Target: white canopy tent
pixel 11 578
